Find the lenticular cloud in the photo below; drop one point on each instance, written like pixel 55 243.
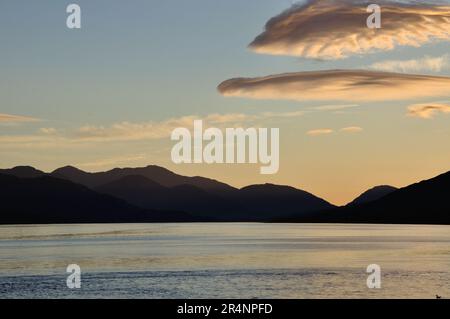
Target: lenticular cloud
pixel 338 85
pixel 335 29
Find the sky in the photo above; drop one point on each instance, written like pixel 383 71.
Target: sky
pixel 109 94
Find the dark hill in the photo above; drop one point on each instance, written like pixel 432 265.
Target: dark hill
pixel 146 193
pixel 22 172
pixel 426 202
pixel 373 194
pixel 155 173
pixel 252 203
pixel 50 200
pixel 270 200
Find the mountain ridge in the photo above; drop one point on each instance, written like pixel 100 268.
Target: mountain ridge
pixel 49 200
pixel 197 196
pixel 424 202
pixel 155 173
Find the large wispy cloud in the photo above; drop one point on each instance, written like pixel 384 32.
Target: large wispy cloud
pixel 9 118
pixel 338 85
pixel 425 64
pixel 427 110
pixel 335 29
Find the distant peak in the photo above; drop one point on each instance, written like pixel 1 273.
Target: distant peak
pixel 68 168
pixel 23 172
pixel 383 187
pixel 272 189
pixel 373 194
pixel 268 186
pixel 69 172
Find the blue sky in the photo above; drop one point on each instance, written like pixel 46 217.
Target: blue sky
pixel 159 58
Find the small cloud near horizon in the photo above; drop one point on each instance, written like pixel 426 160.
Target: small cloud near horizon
pixel 48 130
pixel 327 131
pixel 427 110
pixel 318 132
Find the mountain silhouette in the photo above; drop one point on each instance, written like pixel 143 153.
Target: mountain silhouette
pixel 269 200
pixel 46 199
pixel 158 189
pixel 426 202
pixel 22 172
pixel 155 173
pixel 146 193
pixel 372 194
pixel 252 203
pixel 70 195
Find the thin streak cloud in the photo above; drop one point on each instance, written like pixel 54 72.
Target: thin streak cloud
pixel 89 135
pixel 9 118
pixel 337 107
pixel 156 130
pixel 425 64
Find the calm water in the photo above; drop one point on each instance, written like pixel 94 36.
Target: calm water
pixel 245 260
